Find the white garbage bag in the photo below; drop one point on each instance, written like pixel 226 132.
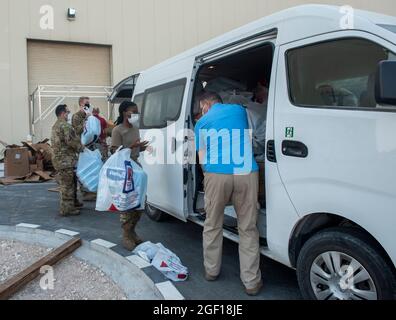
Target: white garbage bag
pixel 122 184
pixel 163 260
pixel 88 169
pixel 92 131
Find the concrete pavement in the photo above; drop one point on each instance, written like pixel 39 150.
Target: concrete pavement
pixel 34 204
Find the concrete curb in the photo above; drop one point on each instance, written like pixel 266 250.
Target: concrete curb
pixel 102 255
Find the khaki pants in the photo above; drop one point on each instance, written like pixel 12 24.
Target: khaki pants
pixel 242 191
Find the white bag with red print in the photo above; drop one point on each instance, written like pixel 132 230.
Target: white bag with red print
pixel 122 184
pixel 163 260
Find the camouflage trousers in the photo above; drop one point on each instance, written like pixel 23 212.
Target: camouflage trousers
pixel 131 216
pixel 67 180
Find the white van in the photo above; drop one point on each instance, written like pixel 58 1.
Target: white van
pixel 330 166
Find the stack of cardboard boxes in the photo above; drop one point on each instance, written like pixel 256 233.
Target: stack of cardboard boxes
pixel 27 163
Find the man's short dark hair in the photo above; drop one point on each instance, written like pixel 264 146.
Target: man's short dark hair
pixel 60 109
pixel 210 96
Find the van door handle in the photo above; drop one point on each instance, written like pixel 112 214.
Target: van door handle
pixel 174 145
pixel 294 149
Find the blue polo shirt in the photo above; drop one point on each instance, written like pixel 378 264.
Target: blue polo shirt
pixel 223 133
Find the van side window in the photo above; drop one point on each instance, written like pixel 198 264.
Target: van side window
pixel 138 99
pixel 339 73
pixel 163 104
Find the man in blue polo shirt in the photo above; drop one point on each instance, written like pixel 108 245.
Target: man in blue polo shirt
pixel 223 142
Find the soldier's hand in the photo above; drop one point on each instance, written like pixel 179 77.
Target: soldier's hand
pixel 141 145
pixel 144 145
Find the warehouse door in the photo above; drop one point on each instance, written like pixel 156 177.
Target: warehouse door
pixel 69 70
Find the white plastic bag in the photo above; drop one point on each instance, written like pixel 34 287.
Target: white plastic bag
pixel 170 265
pixel 163 260
pixel 92 131
pixel 88 169
pixel 147 250
pixel 122 184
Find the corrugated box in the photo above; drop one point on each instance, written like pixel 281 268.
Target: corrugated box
pixel 16 163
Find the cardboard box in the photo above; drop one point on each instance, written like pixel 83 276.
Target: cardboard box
pixel 40 165
pixel 16 162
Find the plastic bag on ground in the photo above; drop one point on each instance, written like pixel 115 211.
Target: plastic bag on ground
pixel 92 131
pixel 122 184
pixel 163 260
pixel 88 169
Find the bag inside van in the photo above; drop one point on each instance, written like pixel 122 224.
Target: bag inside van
pixel 237 79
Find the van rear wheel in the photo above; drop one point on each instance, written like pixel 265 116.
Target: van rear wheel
pixel 343 264
pixel 155 214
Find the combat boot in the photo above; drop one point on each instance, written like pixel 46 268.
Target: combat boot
pixel 78 204
pixel 89 196
pixel 71 213
pixel 127 241
pixel 135 219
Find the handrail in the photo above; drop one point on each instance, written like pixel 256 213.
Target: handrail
pixel 59 93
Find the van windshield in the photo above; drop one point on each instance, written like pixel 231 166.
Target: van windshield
pixel 389 27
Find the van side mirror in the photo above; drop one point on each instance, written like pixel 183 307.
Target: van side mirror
pixel 385 83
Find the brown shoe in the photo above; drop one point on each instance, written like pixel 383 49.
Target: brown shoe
pixel 89 197
pixel 254 291
pixel 128 244
pixel 127 240
pixel 78 204
pixel 70 213
pixel 208 277
pixel 135 219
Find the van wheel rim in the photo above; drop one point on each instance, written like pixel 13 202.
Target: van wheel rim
pixel 338 276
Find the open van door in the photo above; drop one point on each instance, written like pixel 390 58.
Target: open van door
pixel 163 124
pixel 124 90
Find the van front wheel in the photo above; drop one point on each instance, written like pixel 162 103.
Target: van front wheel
pixel 155 214
pixel 343 264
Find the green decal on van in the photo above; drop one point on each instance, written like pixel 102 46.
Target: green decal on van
pixel 290 132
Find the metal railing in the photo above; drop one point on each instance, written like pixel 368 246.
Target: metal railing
pixel 56 94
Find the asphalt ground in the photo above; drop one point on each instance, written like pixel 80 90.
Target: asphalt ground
pixel 33 203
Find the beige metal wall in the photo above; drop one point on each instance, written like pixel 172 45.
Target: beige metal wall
pixel 60 63
pixel 141 33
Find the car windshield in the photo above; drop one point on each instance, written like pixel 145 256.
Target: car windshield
pixel 391 28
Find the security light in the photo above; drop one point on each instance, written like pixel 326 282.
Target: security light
pixel 71 14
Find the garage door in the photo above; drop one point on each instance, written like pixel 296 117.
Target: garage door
pixel 65 64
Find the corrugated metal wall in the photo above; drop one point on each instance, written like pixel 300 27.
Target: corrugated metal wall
pixel 141 33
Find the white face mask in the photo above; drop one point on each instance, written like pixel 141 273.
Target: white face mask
pixel 134 120
pixel 69 118
pixel 88 110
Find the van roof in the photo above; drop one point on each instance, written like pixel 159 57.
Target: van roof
pixel 292 24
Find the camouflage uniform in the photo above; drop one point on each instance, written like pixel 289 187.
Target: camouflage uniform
pixel 133 216
pixel 65 147
pixel 78 122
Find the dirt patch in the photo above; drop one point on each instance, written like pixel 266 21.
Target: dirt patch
pixel 73 279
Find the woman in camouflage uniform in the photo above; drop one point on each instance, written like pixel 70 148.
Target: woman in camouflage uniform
pixel 126 134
